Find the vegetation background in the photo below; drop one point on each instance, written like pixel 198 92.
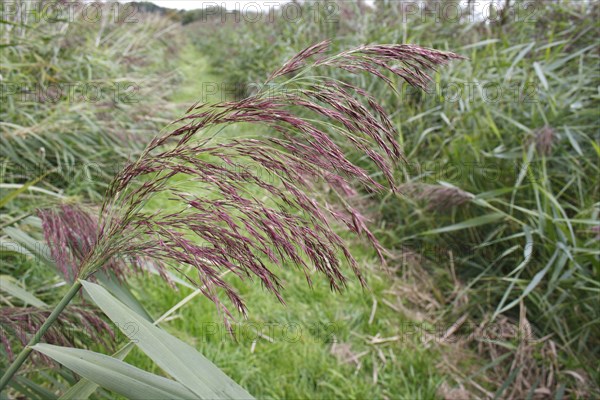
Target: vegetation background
pixel 491 289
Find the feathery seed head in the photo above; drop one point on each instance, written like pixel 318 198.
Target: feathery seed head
pixel 246 205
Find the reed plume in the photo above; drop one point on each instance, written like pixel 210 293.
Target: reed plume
pixel 247 204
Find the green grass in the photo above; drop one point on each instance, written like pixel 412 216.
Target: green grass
pixel 299 362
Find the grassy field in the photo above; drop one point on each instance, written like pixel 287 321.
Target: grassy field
pixel 491 288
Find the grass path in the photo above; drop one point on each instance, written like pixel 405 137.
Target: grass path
pixel 319 345
pixel 196 75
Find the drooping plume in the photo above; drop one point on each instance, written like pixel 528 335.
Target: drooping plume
pixel 250 204
pixel 72 233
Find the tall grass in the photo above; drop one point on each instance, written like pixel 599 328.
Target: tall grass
pixel 76 93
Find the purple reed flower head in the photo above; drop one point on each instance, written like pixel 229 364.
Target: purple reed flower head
pixel 247 205
pixel 18 322
pixel 72 233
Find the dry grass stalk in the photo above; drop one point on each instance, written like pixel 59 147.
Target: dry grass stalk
pixel 437 197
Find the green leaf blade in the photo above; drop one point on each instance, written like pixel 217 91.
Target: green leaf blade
pixel 175 357
pixel 114 374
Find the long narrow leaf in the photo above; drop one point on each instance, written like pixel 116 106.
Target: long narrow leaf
pixel 177 358
pixel 114 374
pixel 10 286
pixel 470 223
pixel 121 291
pixel 86 387
pixel 19 189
